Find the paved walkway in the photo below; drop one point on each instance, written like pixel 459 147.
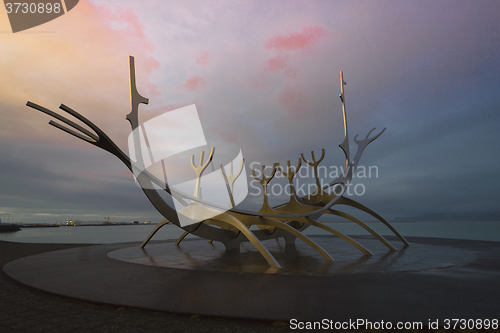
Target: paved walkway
pixel 24 309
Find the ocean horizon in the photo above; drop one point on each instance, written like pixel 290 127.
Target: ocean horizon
pixel 470 230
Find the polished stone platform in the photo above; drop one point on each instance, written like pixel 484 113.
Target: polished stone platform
pixel 197 254
pixel 431 279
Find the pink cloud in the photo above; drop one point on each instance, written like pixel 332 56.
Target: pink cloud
pixel 203 58
pixel 125 23
pixel 227 136
pixel 256 81
pixel 296 41
pixel 170 107
pixel 86 62
pixel 166 108
pixel 293 100
pixel 195 82
pixel 122 19
pixel 279 64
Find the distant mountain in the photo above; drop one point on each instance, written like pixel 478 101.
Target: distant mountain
pixel 468 216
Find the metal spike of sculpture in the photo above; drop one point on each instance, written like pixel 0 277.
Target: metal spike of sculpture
pixel 232 226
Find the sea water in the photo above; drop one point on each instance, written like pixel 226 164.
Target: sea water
pixel 474 230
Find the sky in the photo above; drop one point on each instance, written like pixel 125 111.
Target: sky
pixel 264 77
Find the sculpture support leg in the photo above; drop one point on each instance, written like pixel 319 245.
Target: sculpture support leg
pixel 233 221
pixel 298 234
pixel 290 241
pixel 355 204
pixel 339 234
pixel 367 228
pixel 161 224
pixel 181 238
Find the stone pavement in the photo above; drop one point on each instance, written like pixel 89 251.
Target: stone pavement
pixel 24 309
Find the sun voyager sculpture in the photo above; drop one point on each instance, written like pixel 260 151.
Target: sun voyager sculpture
pixel 228 224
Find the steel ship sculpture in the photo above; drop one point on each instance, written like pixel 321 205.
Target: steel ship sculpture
pixel 231 225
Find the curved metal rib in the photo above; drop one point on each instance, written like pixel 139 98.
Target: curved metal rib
pixel 161 224
pixel 348 239
pixel 233 221
pixel 181 238
pixel 367 228
pixel 298 234
pixel 355 204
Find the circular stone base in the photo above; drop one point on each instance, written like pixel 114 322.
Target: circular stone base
pixel 433 278
pixel 198 254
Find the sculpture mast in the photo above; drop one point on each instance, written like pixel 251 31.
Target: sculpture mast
pixel 345 144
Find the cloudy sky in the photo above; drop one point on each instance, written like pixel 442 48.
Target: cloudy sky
pixel 264 77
